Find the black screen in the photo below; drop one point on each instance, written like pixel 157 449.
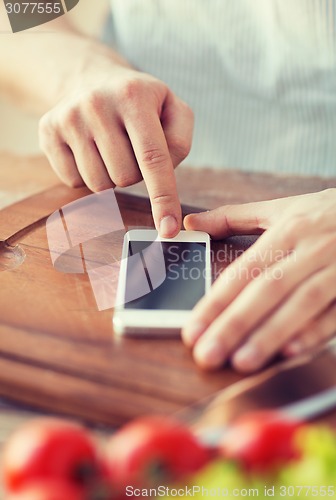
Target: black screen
pixel 172 272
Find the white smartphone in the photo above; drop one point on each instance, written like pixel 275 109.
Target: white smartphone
pixel 160 281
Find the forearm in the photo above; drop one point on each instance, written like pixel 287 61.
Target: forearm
pixel 39 67
pixel 103 123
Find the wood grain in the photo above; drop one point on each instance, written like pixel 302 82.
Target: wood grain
pixel 57 352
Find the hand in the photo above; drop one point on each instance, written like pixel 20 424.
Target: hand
pixel 116 127
pixel 280 295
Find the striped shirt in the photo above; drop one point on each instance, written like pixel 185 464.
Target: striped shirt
pixel 260 76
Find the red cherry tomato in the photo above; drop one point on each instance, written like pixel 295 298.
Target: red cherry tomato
pixel 49 490
pixel 151 451
pixel 49 449
pixel 261 441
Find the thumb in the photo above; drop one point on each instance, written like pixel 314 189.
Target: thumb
pixel 229 220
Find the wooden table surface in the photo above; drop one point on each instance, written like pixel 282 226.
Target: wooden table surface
pixel 65 359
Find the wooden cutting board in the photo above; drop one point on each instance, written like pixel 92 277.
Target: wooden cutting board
pixel 58 353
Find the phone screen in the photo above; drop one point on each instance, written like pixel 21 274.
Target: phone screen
pixel 182 273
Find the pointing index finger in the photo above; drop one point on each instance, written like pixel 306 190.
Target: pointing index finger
pixel 151 151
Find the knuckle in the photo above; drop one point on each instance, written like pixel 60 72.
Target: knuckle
pixel 97 185
pixel 272 282
pixel 74 182
pixel 94 103
pixel 123 179
pixel 70 119
pixel 154 158
pixel 131 91
pixel 275 281
pixel 294 227
pixel 180 146
pixel 216 306
pixel 224 222
pixel 316 250
pixel 314 294
pixel 323 246
pixel 163 199
pixel 237 323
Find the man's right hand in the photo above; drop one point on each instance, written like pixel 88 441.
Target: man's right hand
pixel 115 127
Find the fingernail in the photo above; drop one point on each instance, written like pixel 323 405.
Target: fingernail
pixel 208 353
pixel 168 227
pixel 247 357
pixel 192 333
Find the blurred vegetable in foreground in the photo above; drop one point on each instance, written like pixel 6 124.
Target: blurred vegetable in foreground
pixel 313 476
pixel 50 449
pixel 154 450
pixel 263 455
pixel 261 441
